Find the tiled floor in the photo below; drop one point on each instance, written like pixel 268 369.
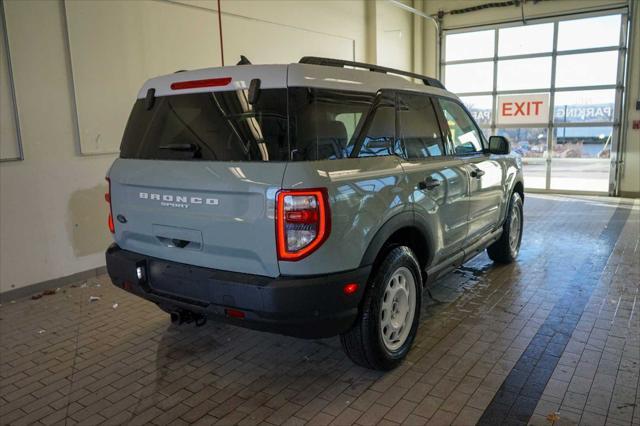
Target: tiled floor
pixel 554 338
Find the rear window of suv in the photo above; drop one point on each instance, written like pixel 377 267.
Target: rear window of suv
pixel 219 126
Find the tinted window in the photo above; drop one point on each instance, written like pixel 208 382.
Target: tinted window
pixel 463 134
pixel 379 138
pixel 419 128
pixel 218 126
pixel 324 123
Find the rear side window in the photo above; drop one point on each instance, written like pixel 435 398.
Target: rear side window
pixel 219 126
pixel 419 129
pixel 324 123
pixel 463 133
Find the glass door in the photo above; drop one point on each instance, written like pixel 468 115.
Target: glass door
pixel 554 88
pixel 586 71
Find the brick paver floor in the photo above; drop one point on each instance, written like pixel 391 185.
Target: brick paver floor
pixel 553 338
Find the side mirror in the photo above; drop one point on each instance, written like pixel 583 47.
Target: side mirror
pixel 499 145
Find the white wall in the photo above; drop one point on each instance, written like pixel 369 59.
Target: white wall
pixel 630 178
pixel 40 196
pixel 52 210
pixel 396 33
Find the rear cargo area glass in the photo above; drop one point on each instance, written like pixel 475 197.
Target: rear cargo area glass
pixel 219 126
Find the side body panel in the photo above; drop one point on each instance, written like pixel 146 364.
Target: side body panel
pixel 364 193
pixel 511 169
pixel 486 194
pixel 490 194
pixel 444 209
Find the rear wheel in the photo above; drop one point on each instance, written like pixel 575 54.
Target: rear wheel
pixel 506 249
pixel 388 320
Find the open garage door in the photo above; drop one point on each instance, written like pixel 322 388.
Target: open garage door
pixel 553 87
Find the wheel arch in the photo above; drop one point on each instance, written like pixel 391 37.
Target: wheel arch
pixel 401 229
pixel 519 188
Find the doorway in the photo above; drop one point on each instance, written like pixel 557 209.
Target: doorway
pixel 571 69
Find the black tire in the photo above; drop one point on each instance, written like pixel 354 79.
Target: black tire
pixel 364 343
pixel 503 250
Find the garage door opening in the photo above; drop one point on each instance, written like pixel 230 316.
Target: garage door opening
pixel 552 87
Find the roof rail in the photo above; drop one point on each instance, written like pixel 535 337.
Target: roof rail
pixel 330 62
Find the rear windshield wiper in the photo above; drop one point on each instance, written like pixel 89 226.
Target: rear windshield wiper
pixel 184 147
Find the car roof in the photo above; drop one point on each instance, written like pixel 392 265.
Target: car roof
pixel 281 76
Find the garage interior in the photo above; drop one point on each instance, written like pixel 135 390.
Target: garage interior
pixel 553 338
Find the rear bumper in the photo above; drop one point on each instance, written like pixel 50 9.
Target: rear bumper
pixel 309 307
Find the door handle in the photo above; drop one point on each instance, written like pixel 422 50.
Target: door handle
pixel 429 184
pixel 477 173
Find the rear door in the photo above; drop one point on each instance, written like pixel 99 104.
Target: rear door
pixel 486 175
pixel 439 182
pixel 197 179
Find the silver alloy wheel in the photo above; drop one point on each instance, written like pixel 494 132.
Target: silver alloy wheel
pixel 398 309
pixel 515 228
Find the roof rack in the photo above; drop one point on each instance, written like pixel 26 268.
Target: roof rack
pixel 329 62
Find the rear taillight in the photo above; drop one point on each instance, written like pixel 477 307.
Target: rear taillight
pixel 107 198
pixel 302 222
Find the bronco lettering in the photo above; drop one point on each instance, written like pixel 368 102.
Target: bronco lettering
pixel 181 201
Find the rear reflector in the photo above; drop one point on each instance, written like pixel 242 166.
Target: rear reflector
pixel 350 288
pixel 112 227
pixel 234 313
pixel 107 197
pixel 194 84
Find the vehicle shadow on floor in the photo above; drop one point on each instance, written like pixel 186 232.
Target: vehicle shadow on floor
pixel 226 365
pixel 231 366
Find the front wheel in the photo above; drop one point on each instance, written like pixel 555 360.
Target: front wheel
pixel 506 249
pixel 388 321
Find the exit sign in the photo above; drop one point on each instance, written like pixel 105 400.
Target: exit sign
pixel 523 109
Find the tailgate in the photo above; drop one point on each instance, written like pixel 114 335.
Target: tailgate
pixel 217 215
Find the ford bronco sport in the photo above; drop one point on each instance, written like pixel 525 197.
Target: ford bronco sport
pixel 312 199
